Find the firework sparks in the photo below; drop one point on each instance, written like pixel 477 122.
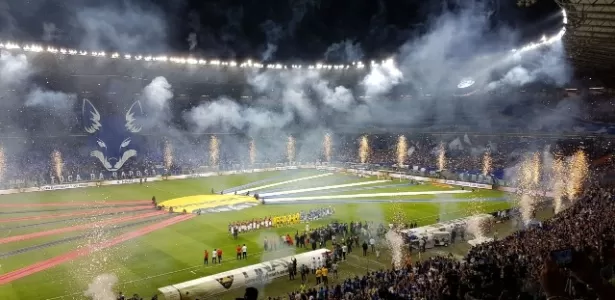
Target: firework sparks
pixel 529 184
pixel 536 168
pixel 290 149
pixel 394 240
pixel 2 162
pixel 168 155
pixel 559 183
pixel 402 150
pixel 487 163
pixel 252 152
pixel 363 149
pixel 214 151
pixel 57 163
pixel 441 157
pixel 578 168
pixel 327 145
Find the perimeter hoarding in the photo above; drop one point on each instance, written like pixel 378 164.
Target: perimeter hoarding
pixel 254 275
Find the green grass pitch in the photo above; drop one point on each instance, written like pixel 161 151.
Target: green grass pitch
pixel 174 254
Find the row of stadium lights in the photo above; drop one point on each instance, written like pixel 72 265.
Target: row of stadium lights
pixel 187 61
pixel 248 63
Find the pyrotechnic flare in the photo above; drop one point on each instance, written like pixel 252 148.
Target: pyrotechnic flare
pixel 402 150
pixel 57 162
pixel 168 155
pixel 559 183
pixel 252 152
pixel 487 163
pixel 529 183
pixel 2 162
pixel 214 151
pixel 290 149
pixel 536 168
pixel 364 149
pixel 578 168
pixel 327 145
pixel 441 157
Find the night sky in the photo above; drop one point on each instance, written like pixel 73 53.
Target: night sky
pixel 269 30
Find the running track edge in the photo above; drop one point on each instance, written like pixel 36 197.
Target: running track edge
pixel 52 262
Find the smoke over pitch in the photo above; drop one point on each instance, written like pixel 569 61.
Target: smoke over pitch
pixel 426 68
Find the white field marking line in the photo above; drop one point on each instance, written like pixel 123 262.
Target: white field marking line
pixel 322 188
pixel 374 195
pixel 226 262
pixel 280 183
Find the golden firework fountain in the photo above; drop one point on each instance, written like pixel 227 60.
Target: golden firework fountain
pixel 402 151
pixel 487 163
pixel 168 156
pixel 364 150
pixel 559 183
pixel 442 157
pixel 57 164
pixel 290 149
pixel 579 169
pixel 327 146
pixel 252 152
pixel 2 163
pixel 214 151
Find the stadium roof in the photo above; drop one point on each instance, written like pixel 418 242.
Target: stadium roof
pixel 590 36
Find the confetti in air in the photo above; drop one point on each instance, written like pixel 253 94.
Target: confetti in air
pixel 57 163
pixel 168 155
pixel 214 151
pixel 559 183
pixel 364 149
pixel 252 152
pixel 578 168
pixel 441 157
pixel 402 150
pixel 487 163
pixel 290 149
pixel 327 145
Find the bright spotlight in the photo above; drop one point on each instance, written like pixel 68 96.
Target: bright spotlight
pixel 466 83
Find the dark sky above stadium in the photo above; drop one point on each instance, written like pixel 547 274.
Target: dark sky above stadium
pixel 270 30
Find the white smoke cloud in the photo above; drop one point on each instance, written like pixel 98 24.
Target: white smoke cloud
pixel 50 32
pixel 101 288
pixel 346 51
pixel 55 101
pixel 381 79
pixel 158 93
pixel 455 46
pixel 14 69
pixel 126 28
pixel 192 41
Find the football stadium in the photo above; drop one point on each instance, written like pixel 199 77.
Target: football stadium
pixel 463 164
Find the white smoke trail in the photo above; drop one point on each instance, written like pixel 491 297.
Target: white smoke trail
pixel 158 93
pixel 395 243
pixel 101 288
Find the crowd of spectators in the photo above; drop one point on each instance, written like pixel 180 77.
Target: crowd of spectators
pixel 520 266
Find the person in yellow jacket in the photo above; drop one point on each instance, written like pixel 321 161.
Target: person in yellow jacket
pixel 318 276
pixel 325 274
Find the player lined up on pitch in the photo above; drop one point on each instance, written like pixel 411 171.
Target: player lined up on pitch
pixel 216 257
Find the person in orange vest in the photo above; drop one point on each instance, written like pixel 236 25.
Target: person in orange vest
pixel 219 256
pixel 238 252
pixel 206 258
